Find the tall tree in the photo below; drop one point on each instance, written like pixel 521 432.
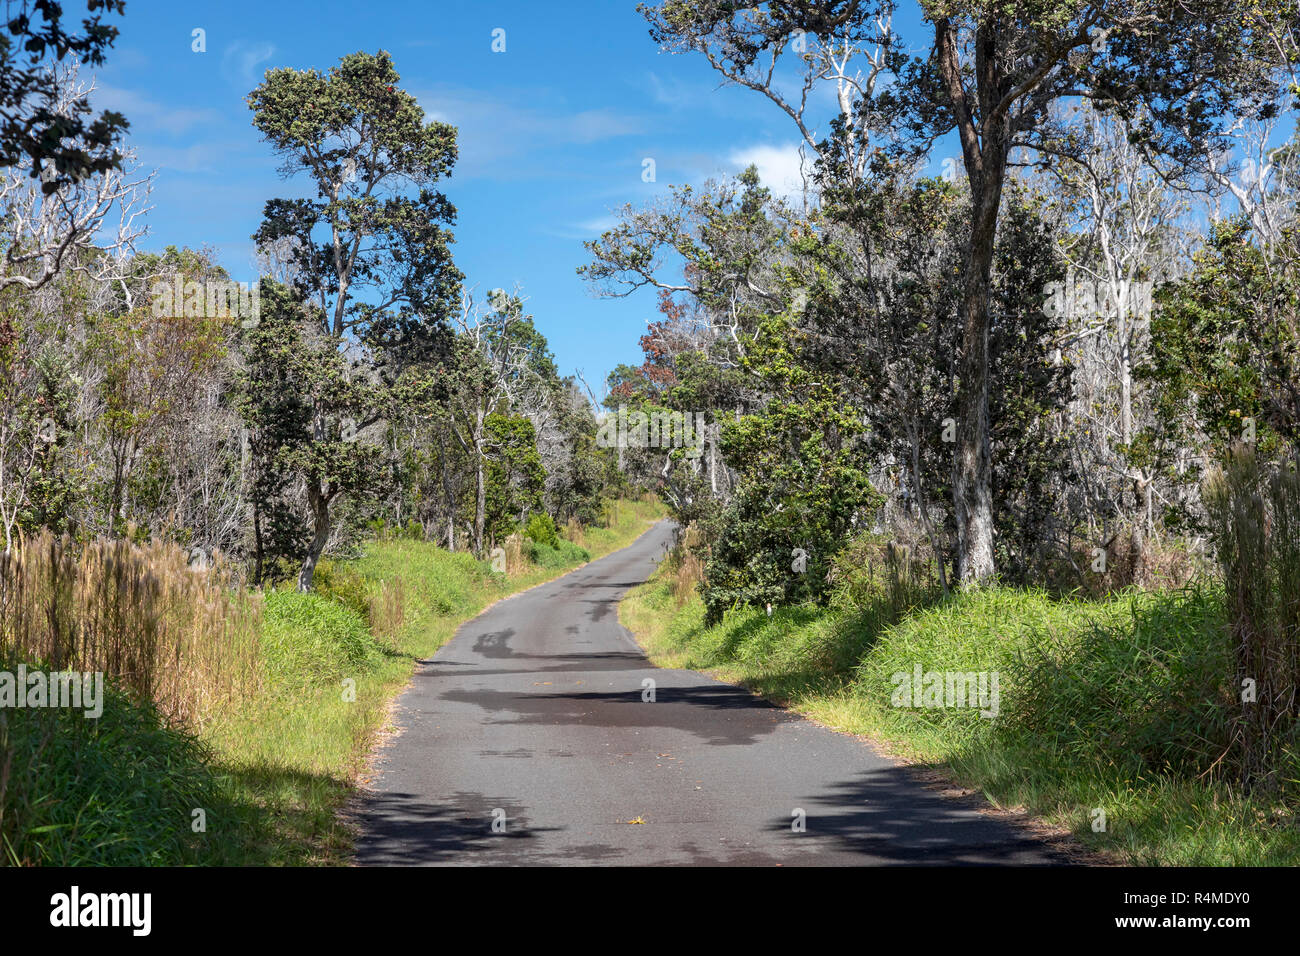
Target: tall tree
pixel 371 257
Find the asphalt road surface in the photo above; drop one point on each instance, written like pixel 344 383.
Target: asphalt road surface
pixel 528 740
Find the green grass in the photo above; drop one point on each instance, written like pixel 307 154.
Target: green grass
pixel 119 790
pixel 565 555
pixel 1120 705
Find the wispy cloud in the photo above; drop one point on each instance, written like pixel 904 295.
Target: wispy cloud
pixel 240 61
pixel 191 159
pixel 591 126
pixel 147 115
pixel 585 229
pixel 500 138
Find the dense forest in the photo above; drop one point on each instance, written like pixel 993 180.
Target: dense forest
pixel 1069 361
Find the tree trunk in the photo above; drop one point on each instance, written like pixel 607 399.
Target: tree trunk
pixel 320 509
pixel 480 493
pixel 258 552
pixel 973 467
pixel 985 143
pixel 713 460
pixel 450 499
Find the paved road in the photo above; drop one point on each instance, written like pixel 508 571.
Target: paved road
pixel 534 712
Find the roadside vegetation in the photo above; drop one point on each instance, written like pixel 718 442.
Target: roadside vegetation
pixel 1026 410
pixel 255 708
pixel 252 505
pixel 1120 705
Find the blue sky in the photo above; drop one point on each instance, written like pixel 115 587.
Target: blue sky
pixel 553 132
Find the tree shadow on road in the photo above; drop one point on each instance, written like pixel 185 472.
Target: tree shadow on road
pixel 892 818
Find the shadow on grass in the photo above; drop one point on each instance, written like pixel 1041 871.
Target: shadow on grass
pixel 278 816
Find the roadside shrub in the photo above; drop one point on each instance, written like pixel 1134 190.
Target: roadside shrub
pixel 565 554
pixel 541 528
pixel 345 585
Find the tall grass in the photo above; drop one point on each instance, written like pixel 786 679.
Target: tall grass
pixel 1125 704
pixel 891 577
pixel 257 709
pixel 182 640
pixel 1254 510
pixel 175 647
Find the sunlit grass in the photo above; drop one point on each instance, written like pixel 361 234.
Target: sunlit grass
pixel 1117 705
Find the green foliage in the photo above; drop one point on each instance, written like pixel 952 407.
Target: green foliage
pixel 515 477
pixel 803 483
pixel 361 140
pixel 304 403
pixel 560 555
pixel 69 144
pixel 1225 355
pixel 1132 698
pixel 342 583
pixel 37 398
pixel 541 529
pixel 358 136
pixel 894 335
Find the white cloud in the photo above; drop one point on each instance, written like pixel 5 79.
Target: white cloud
pixel 594 125
pixel 199 158
pixel 500 137
pixel 778 167
pixel 586 229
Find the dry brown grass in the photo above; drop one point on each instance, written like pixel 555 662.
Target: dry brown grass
pixel 1157 563
pixel 516 561
pixel 185 639
pixel 574 531
pixel 687 577
pixel 686 564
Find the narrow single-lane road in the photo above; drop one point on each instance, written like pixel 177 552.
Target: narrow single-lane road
pixel 527 739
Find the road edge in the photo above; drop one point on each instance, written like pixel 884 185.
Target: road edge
pixel 349 813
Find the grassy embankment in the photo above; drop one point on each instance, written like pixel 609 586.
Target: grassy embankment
pixel 235 724
pixel 1120 705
